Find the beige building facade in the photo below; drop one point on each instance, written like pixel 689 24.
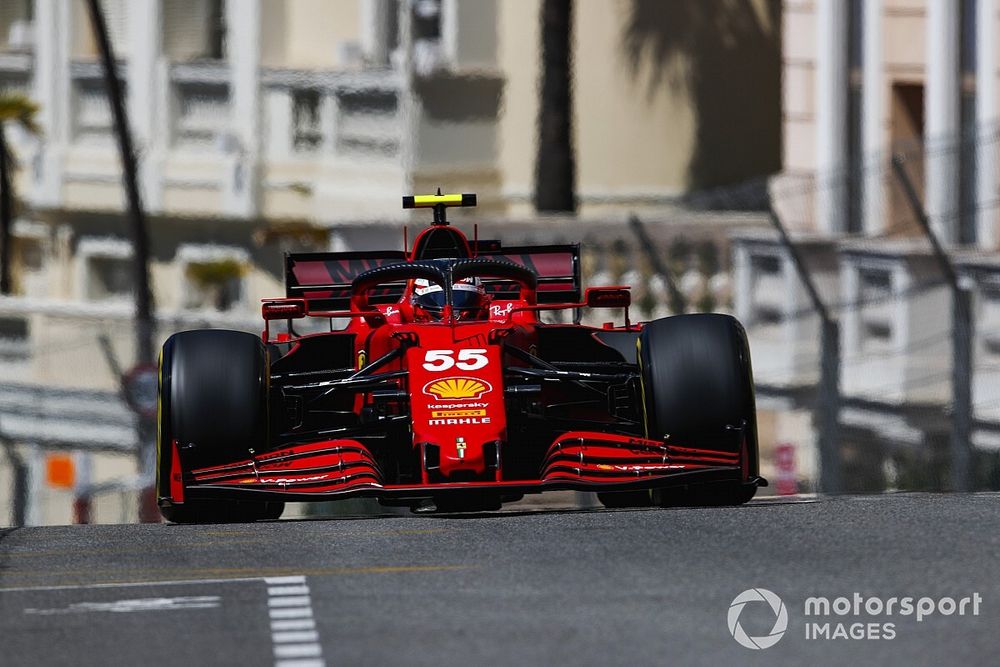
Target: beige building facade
pixel 325 111
pixel 266 126
pixel 864 80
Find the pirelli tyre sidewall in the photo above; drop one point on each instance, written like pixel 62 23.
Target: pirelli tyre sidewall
pixel 697 383
pixel 164 438
pixel 213 402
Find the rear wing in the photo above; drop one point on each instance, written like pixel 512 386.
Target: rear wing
pixel 324 278
pixel 557 267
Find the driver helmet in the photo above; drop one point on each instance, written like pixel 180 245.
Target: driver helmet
pixel 469 299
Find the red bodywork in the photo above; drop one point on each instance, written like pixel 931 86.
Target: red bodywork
pixel 450 376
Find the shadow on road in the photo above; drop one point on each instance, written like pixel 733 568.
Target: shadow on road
pixel 543 511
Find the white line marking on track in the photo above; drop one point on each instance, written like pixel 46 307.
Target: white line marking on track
pixel 294 624
pixel 132 584
pixel 297 651
pixel 276 581
pixel 292 612
pixel 288 590
pixel 127 606
pixel 289 601
pixel 293 630
pixel 294 636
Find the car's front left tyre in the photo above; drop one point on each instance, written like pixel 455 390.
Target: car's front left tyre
pixel 698 391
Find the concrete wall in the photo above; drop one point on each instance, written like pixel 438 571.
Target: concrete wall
pixel 314 30
pixel 669 97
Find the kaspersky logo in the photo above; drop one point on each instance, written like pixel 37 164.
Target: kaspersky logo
pixel 449 389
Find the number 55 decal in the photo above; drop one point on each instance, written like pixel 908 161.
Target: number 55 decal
pixel 443 360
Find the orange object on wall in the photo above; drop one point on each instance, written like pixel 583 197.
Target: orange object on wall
pixel 60 471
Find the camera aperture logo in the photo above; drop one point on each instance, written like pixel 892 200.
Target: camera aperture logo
pixel 777 608
pixel 854 617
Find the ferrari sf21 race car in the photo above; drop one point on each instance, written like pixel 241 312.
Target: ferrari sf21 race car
pixel 446 391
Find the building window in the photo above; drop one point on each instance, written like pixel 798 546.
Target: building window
pixel 15 340
pixel 875 295
pixel 767 292
pixel 875 284
pixel 106 269
pixel 427 19
pixel 368 122
pixel 216 285
pixel 213 277
pixel 426 28
pixel 307 133
pixel 30 244
pixel 988 321
pixel 379 30
pixel 203 115
pixel 217 29
pixel 109 277
pixel 194 30
pixel 93 121
pixel 16 33
pixel 30 254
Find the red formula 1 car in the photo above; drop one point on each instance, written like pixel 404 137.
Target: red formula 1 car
pixel 445 390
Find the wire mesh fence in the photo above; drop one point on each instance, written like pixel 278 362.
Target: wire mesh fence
pixel 863 240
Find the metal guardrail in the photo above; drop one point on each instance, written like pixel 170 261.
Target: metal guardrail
pixel 88 418
pixel 55 418
pixel 124 311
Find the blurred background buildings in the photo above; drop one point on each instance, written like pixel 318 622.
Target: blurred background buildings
pixel 267 126
pixel 864 80
pixel 264 126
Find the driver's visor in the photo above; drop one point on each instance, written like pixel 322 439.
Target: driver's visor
pixel 461 300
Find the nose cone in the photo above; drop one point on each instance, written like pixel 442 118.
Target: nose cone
pixel 456 401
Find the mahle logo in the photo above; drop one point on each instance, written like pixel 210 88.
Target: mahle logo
pixel 777 608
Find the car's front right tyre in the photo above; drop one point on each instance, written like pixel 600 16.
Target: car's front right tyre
pixel 213 405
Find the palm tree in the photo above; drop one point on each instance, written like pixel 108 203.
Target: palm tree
pixel 555 166
pixel 19 109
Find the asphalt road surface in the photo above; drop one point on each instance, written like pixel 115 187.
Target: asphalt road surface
pixel 581 587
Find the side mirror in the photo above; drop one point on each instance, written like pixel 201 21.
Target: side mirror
pixel 286 309
pixel 608 297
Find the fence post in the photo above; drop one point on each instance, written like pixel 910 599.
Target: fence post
pixel 20 474
pixel 962 330
pixel 828 410
pixel 962 471
pixel 83 501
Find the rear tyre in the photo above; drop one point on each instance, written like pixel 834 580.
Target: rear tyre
pixel 698 390
pixel 213 402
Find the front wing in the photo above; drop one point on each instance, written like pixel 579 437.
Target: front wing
pixel 578 460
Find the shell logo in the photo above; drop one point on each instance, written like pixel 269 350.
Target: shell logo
pixel 457 388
